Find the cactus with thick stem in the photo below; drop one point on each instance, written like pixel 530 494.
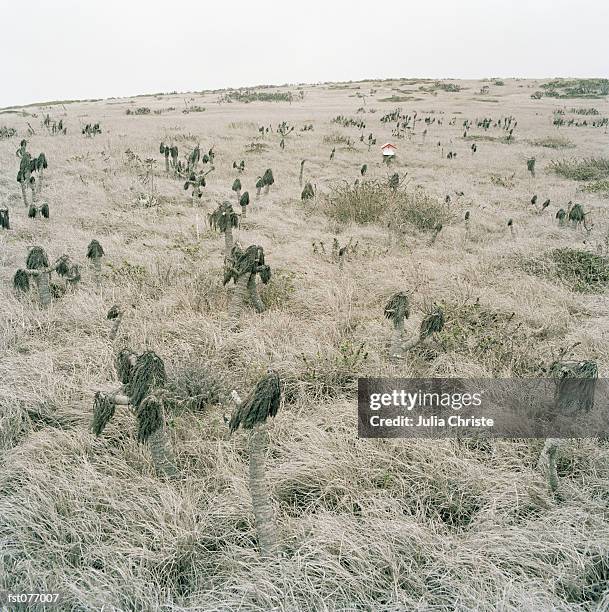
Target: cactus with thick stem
pixel 41 165
pixel 252 414
pixel 267 180
pixel 259 186
pixel 115 316
pixel 308 192
pixel 302 163
pixel 24 175
pixel 165 150
pixel 197 182
pixel 237 188
pixel 244 202
pixel 432 323
pixel 547 462
pixel 37 264
pixel 531 166
pixel 95 252
pixel 397 310
pixel 143 378
pixel 242 268
pixel 223 220
pixel 5 222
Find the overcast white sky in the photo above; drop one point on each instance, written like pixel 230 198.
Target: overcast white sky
pixel 66 49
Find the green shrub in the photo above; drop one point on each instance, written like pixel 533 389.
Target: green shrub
pixel 375 202
pixel 588 169
pixel 601 187
pixel 580 271
pixel 553 142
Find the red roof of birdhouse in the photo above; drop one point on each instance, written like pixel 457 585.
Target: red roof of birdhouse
pixel 388 145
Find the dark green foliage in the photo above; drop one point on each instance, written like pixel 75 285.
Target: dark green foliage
pixel 5 219
pixel 259 405
pixel 147 375
pixel 31 212
pixel 149 415
pixel 113 313
pixel 124 363
pixel 163 150
pixel 44 210
pixel 265 273
pixel 103 411
pixel 245 199
pixel 21 281
pixel 94 250
pixel 244 262
pixel 397 307
pixel 41 162
pixel 307 192
pixel 25 165
pixel 259 183
pixel 194 156
pixel 364 169
pixel 433 322
pixel 576 214
pixel 394 181
pixel 267 177
pixel 223 217
pixel 531 165
pixel 63 266
pixel 236 185
pixel 37 259
pixel 560 215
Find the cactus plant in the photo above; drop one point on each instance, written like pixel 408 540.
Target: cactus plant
pixel 5 222
pixel 531 166
pixel 165 150
pixel 560 216
pixel 40 165
pixel 259 185
pixel 197 182
pixel 223 219
pixel 302 163
pixel 363 169
pixel 95 252
pixel 307 192
pixel 143 380
pixel 396 310
pixel 24 176
pixel 237 188
pixel 39 211
pixel 244 201
pixel 115 316
pixel 242 268
pixel 267 180
pixel 576 215
pixel 252 414
pixel 432 323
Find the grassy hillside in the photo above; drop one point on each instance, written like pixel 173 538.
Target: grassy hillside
pixel 363 524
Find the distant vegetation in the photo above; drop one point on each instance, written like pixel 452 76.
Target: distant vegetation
pixel 7 132
pixel 589 169
pixel 249 95
pixel 142 110
pixel 575 88
pixel 553 142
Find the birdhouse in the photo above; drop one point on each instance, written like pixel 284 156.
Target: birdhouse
pixel 388 150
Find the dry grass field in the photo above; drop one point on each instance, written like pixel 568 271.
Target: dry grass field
pixel 380 525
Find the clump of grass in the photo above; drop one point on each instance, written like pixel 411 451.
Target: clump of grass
pixel 580 271
pixel 503 181
pixel 489 336
pixel 7 132
pixel 586 169
pixel 142 110
pixel 553 142
pixel 336 138
pixel 576 88
pixel 375 202
pixel 601 187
